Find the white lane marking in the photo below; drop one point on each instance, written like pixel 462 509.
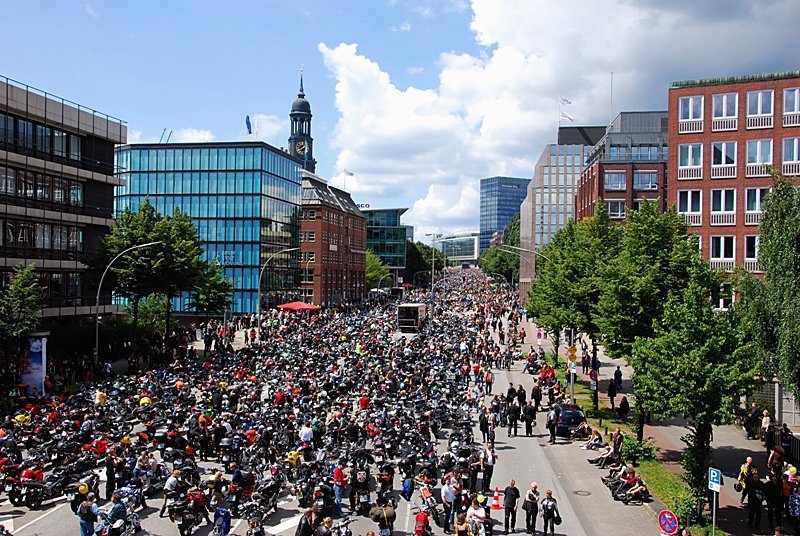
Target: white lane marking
pixel 23 527
pixel 236 525
pixel 288 524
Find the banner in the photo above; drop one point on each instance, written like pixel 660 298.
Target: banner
pixel 34 364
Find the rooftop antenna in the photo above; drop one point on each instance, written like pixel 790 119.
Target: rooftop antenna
pixel 162 135
pixel 168 137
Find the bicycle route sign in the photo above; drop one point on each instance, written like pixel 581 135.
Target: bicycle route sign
pixel 668 522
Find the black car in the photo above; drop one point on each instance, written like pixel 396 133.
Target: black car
pixel 570 416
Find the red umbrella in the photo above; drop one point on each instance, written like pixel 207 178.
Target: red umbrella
pixel 298 306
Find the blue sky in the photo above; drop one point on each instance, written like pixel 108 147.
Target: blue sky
pixel 419 98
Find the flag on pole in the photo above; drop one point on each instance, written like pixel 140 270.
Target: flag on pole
pixel 565 115
pixel 348 173
pixel 247 122
pixel 564 100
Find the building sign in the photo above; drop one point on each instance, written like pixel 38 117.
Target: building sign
pixel 362 205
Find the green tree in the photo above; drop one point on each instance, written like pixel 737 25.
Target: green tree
pixel 772 305
pixel 696 364
pixel 213 292
pixel 375 271
pixel 496 261
pixel 20 310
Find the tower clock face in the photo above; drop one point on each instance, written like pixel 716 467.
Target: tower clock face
pixel 301 147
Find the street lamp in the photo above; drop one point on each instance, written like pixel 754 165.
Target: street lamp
pixel 100 286
pixel 261 274
pixel 433 253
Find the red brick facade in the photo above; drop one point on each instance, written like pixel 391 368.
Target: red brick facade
pixel 591 187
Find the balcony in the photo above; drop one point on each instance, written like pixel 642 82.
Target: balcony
pixel 751 265
pixel 723 172
pixel 724 264
pixel 689 127
pixel 791 119
pixel 752 218
pixel 693 219
pixel 690 172
pixel 759 121
pixel 722 124
pixel 723 218
pixel 791 168
pixel 756 170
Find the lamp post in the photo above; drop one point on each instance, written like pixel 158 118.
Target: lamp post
pixel 100 286
pixel 433 253
pixel 261 274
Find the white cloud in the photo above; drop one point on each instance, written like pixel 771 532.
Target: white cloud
pixel 268 126
pixel 492 113
pixel 405 27
pixel 415 70
pixel 188 135
pixel 89 10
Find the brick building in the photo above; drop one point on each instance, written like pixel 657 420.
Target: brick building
pixel 627 165
pixel 333 245
pixel 722 132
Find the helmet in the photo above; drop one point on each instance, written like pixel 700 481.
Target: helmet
pixel 145 401
pixel 83 489
pixel 125 440
pixel 737 486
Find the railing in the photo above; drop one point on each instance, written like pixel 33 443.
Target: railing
pixel 791 119
pixel 690 172
pixel 727 265
pixel 723 172
pixel 751 265
pixel 723 218
pixel 752 218
pixel 756 170
pixel 694 220
pixel 759 121
pixel 791 168
pixel 718 125
pixel 688 127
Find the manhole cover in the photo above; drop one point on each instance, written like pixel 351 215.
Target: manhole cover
pixel 582 493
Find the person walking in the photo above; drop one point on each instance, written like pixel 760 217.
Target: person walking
pixel 448 498
pixel 612 392
pixel 339 483
pixel 529 416
pixel 747 473
pixel 483 424
pixel 510 503
pixel 552 418
pixel 549 508
pixel 755 499
pixel 488 459
pixel 88 513
pixel 536 394
pixel 531 507
pixel 489 380
pixel 773 491
pixel 618 379
pixel 475 465
pixel 513 417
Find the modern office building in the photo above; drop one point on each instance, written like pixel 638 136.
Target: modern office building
pixel 500 201
pixel 333 244
pixel 719 162
pixel 550 195
pixel 386 238
pixel 244 198
pixel 627 165
pixel 459 248
pixel 56 193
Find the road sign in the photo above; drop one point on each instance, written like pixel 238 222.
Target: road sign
pixel 593 385
pixel 539 334
pixel 571 354
pixel 714 479
pixel 593 375
pixel 573 367
pixel 668 522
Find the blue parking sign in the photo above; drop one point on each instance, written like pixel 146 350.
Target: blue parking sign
pixel 714 479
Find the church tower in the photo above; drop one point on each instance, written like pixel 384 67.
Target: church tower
pixel 301 145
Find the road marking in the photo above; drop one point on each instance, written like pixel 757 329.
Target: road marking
pixel 288 524
pixel 236 525
pixel 23 527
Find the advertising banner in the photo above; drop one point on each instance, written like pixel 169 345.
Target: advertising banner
pixel 34 364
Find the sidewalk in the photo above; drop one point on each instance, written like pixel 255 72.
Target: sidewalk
pixel 730 448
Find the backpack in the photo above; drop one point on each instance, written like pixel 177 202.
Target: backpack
pixel 794 505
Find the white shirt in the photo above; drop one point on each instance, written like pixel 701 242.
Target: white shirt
pixel 306 434
pixel 488 457
pixel 480 513
pixel 448 493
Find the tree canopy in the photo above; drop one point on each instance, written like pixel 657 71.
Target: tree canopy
pixel 375 271
pixel 20 310
pixel 213 292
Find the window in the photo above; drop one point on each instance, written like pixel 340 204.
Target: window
pixel 791 150
pixel 690 205
pixel 616 209
pixel 759 102
pixel 312 215
pixel 723 200
pixel 59 143
pixel 751 244
pixel 645 180
pixel 74 147
pixel 312 236
pixel 759 151
pixel 8 182
pixel 723 153
pixel 615 181
pixel 690 155
pixel 618 152
pixel 791 100
pixel 690 108
pixel 754 199
pixel 724 106
pixel 722 297
pixel 722 247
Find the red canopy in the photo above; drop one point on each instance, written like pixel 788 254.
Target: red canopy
pixel 299 306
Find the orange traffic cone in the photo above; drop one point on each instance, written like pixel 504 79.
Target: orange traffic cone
pixel 496 500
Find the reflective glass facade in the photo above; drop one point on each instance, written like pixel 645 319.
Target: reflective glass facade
pixel 386 237
pixel 244 198
pixel 501 198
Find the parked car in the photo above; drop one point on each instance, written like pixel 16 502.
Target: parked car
pixel 570 416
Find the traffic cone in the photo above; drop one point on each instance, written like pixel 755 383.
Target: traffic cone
pixel 496 500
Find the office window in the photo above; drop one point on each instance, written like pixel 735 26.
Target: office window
pixel 759 151
pixel 312 236
pixel 723 247
pixel 723 153
pixel 613 181
pixel 791 100
pixel 791 150
pixel 724 106
pixel 751 246
pixel 754 199
pixel 59 143
pixel 723 200
pixel 759 102
pixel 644 180
pixel 690 155
pixel 616 209
pixel 690 108
pixel 8 182
pixel 690 201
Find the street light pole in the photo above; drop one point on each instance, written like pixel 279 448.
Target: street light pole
pixel 433 253
pixel 100 286
pixel 261 274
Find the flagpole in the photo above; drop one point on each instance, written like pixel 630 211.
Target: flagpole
pixel 611 99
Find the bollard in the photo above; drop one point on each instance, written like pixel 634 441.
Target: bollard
pixel 607 430
pixel 601 422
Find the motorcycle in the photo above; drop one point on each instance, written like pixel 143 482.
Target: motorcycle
pixel 363 502
pixel 185 511
pixel 119 527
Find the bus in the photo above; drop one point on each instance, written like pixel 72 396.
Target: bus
pixel 410 316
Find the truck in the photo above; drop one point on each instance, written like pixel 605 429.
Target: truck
pixel 410 316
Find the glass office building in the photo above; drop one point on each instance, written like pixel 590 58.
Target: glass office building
pixel 386 237
pixel 500 200
pixel 244 198
pixel 459 248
